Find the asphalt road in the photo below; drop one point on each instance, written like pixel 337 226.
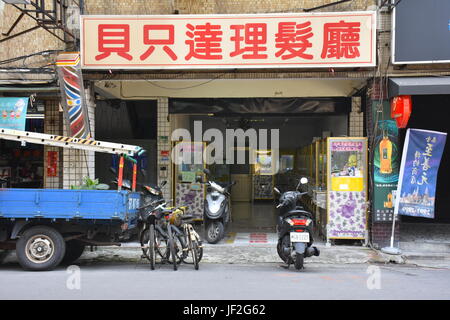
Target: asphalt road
pixel 107 280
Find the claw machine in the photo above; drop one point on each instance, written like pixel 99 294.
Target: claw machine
pixel 263 175
pixel 188 177
pixel 347 188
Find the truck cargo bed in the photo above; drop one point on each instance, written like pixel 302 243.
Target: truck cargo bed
pixel 68 204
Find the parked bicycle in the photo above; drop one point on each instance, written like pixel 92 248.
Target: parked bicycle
pixel 169 234
pixel 194 247
pixel 175 237
pixel 153 240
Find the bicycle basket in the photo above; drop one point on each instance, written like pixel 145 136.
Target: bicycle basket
pixel 175 217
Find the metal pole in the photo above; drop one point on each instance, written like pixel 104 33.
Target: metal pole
pixel 120 177
pixel 133 188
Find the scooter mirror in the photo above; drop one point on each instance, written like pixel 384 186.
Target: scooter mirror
pixel 113 170
pixel 304 180
pixel 277 190
pixel 163 183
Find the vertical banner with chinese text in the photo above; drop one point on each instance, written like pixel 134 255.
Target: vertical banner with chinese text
pixel 275 40
pixel 72 95
pixel 421 157
pixel 347 188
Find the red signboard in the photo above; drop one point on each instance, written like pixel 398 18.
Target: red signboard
pixel 333 39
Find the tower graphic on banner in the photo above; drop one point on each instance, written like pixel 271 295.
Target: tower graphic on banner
pixel 72 95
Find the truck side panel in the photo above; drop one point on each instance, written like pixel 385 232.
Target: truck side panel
pixel 68 204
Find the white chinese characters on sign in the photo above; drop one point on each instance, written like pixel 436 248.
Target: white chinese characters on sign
pixel 222 41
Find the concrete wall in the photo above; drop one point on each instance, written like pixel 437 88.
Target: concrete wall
pixel 29 43
pixel 216 6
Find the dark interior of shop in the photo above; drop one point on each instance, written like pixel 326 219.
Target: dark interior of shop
pixel 252 197
pixel 22 166
pixel 129 122
pixel 430 112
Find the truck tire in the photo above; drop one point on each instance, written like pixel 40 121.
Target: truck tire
pixel 74 250
pixel 3 254
pixel 40 248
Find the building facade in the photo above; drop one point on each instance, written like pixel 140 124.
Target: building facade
pixel 28 54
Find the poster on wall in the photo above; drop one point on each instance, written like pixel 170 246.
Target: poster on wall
pixel 347 195
pixel 386 164
pixel 264 162
pixel 52 163
pixel 421 157
pixel 188 167
pixel 13 113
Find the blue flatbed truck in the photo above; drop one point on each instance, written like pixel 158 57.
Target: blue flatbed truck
pixel 47 227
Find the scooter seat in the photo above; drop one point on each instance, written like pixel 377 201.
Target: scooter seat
pixel 298 213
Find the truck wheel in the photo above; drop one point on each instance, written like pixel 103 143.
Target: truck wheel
pixel 3 254
pixel 40 248
pixel 74 250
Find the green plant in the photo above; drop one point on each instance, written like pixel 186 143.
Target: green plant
pixel 88 184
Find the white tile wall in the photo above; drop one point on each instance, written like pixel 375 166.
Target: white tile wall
pixel 356 122
pixel 164 144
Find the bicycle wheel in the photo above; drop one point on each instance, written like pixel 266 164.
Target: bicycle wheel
pixel 180 247
pixel 195 254
pixel 199 245
pixel 151 247
pixel 173 255
pixel 187 254
pixel 161 245
pixel 148 245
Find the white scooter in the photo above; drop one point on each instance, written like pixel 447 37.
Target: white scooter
pixel 217 212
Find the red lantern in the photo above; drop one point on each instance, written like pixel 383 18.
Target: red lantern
pixel 401 107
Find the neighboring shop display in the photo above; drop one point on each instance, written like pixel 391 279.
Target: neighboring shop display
pixel 188 173
pixel 24 164
pixel 347 188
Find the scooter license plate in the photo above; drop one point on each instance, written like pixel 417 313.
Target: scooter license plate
pixel 299 236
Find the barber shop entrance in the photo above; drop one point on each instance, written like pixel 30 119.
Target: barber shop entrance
pixel 301 75
pixel 294 136
pixel 285 130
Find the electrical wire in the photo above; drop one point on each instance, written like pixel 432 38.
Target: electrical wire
pixel 28 56
pixel 188 87
pixel 168 88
